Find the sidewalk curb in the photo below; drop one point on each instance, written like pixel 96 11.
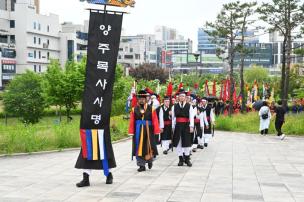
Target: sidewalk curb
pixel 54 151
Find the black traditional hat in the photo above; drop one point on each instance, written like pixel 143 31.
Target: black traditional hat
pixel 166 98
pixel 181 91
pixel 142 94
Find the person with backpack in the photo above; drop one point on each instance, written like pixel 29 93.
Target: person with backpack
pixel 265 117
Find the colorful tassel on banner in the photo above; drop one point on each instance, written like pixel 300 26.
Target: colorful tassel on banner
pixel 83 143
pixel 94 144
pixel 89 144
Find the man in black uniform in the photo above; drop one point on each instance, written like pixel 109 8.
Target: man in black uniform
pixel 182 125
pixel 210 118
pixel 165 124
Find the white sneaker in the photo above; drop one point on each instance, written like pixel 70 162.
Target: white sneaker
pixel 282 136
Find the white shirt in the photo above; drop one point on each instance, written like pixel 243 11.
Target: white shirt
pixel 161 117
pixel 191 115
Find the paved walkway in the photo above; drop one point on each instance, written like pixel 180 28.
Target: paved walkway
pixel 235 167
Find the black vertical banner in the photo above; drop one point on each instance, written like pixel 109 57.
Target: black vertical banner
pixel 103 46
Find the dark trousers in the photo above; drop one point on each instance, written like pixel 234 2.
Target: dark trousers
pixel 278 127
pixel 265 131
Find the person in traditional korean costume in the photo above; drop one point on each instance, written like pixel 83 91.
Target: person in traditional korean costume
pixel 182 125
pixel 143 127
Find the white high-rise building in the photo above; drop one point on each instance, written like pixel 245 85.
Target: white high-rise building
pixel 137 50
pixel 35 37
pixel 163 33
pixel 73 41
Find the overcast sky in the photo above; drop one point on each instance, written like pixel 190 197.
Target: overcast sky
pixel 184 15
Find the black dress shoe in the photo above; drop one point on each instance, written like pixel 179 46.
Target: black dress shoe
pixel 165 152
pixel 206 144
pixel 85 182
pixel 181 161
pixel 109 179
pixel 194 149
pixel 188 162
pixel 141 169
pixel 200 146
pixel 150 165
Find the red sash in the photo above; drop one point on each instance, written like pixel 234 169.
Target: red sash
pixel 182 120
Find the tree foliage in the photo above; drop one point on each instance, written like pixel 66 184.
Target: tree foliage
pixel 150 72
pixel 257 73
pixel 24 98
pixel 64 87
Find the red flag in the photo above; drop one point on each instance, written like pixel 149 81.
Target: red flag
pixel 206 88
pixel 169 89
pixel 149 91
pixel 196 86
pixel 180 85
pixel 221 93
pixel 225 91
pixel 134 101
pixel 234 94
pixel 214 88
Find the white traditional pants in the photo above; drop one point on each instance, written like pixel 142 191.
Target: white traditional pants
pixel 182 150
pixel 207 137
pixel 165 144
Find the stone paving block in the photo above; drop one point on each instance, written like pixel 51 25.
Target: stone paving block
pixel 235 167
pixel 182 195
pixel 216 197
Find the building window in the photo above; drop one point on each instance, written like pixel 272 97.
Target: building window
pixel 35 25
pixel 70 49
pixel 12 23
pixel 30 55
pixel 35 68
pixel 39 41
pixel 48 28
pixel 35 54
pixel 131 50
pixel 128 56
pixel 39 26
pixel 13 40
pixel 39 68
pixel 34 40
pixel 39 54
pixel 48 55
pixel 48 42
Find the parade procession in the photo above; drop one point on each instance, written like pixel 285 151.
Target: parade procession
pixel 182 122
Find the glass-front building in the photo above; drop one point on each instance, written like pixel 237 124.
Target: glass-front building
pixel 205 45
pixel 260 54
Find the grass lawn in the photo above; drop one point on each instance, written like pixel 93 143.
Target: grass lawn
pixel 249 123
pixel 49 134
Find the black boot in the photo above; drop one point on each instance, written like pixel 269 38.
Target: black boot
pixel 206 144
pixel 150 164
pixel 141 169
pixel 187 161
pixel 109 179
pixel 200 146
pixel 181 161
pixel 85 182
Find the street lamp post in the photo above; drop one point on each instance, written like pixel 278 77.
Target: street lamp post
pixel 196 55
